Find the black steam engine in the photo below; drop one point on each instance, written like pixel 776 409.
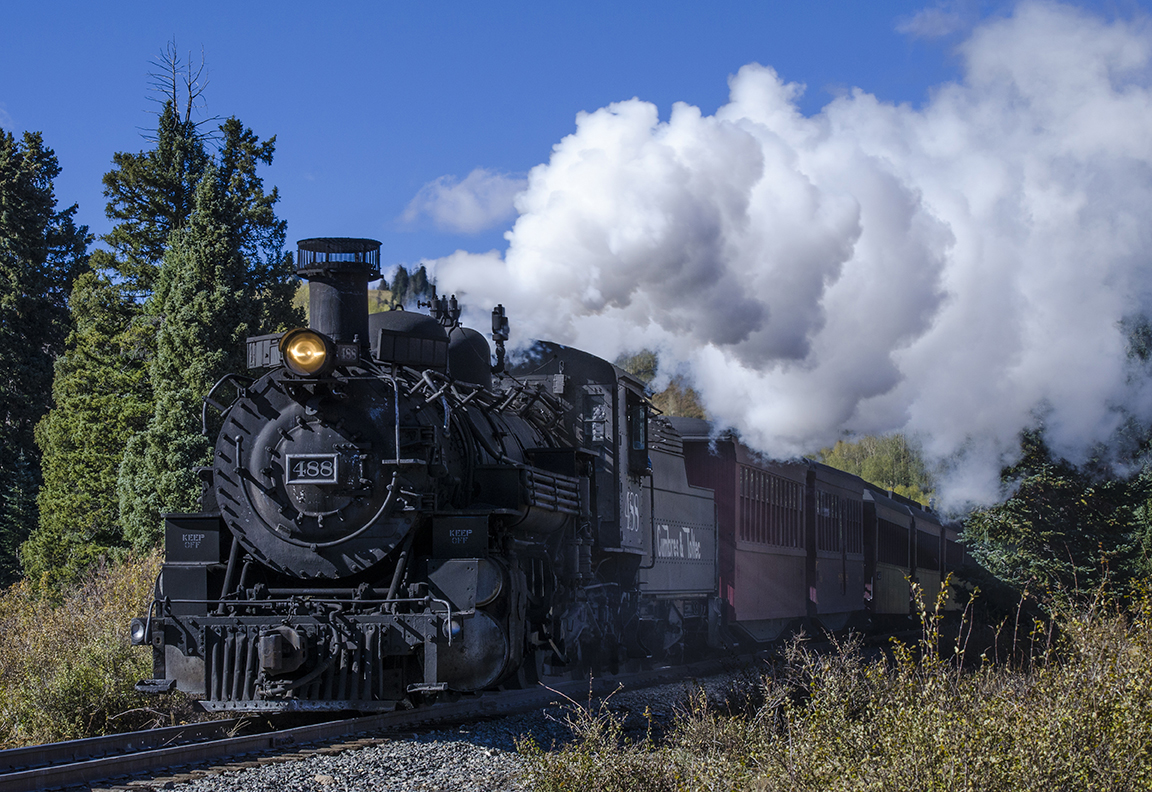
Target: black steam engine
pixel 389 516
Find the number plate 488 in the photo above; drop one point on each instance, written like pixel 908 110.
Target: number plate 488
pixel 312 468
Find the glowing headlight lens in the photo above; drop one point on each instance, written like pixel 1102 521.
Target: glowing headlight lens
pixel 307 352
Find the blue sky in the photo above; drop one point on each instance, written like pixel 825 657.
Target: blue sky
pixel 945 234
pixel 369 102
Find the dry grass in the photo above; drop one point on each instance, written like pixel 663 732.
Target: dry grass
pixel 1077 715
pixel 67 669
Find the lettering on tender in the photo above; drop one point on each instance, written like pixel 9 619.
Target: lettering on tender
pixel 677 543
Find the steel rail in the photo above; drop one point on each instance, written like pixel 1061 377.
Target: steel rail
pixel 66 770
pixel 32 756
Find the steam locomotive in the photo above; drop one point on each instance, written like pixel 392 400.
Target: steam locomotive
pixel 390 517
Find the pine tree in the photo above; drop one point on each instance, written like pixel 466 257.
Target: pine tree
pixel 400 285
pixel 271 279
pixel 101 402
pixel 419 285
pixel 193 299
pixel 41 252
pixel 1064 527
pixel 150 195
pixel 224 277
pixel 104 389
pixel 17 511
pixel 409 288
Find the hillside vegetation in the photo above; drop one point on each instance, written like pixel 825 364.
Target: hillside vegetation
pixel 67 669
pixel 677 398
pixel 1072 711
pixel 889 461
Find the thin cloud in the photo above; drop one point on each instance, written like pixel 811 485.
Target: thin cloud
pixel 939 21
pixel 483 200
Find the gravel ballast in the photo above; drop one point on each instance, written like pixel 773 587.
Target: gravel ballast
pixel 476 756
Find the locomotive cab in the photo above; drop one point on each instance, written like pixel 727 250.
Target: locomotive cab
pixel 646 556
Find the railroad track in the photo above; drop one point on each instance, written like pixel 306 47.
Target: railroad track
pixel 83 761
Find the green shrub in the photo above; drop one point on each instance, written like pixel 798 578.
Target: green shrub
pixel 1076 716
pixel 67 669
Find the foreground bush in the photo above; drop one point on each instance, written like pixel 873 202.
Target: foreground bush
pixel 1078 718
pixel 66 667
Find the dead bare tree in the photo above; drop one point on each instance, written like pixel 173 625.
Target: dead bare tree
pixel 181 82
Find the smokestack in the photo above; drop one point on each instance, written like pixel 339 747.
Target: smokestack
pixel 338 270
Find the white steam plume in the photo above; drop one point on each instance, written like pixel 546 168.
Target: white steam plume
pixel 951 272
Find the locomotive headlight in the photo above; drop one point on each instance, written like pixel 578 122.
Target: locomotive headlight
pixel 136 632
pixel 308 352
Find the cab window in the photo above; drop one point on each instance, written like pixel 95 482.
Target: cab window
pixel 638 462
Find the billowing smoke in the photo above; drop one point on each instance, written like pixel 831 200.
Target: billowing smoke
pixel 957 271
